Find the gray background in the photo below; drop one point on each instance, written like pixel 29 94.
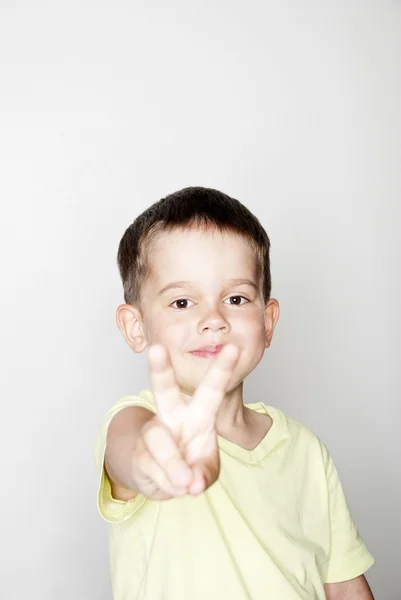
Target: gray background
pixel 292 107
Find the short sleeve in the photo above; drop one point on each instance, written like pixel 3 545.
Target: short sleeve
pixel 111 509
pixel 349 556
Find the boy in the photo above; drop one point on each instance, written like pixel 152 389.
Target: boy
pixel 208 497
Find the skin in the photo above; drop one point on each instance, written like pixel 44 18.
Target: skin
pixel 209 260
pixel 210 311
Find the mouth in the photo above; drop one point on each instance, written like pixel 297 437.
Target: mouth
pixel 207 351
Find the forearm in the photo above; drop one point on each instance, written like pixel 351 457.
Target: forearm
pixel 122 435
pixel 354 589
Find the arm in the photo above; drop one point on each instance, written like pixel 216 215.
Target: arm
pixel 354 589
pixel 121 437
pixel 173 451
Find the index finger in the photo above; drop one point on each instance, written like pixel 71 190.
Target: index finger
pixel 164 385
pixel 213 386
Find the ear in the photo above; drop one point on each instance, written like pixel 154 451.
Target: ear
pixel 129 321
pixel 272 313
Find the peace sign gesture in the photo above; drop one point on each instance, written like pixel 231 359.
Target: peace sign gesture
pixel 177 451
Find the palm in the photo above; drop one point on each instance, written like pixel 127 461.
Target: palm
pixel 193 424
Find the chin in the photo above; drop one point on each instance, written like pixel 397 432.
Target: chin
pixel 190 383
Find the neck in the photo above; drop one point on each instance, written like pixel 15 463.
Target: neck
pixel 232 413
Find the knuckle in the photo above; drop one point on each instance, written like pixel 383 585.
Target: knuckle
pixel 153 434
pixel 150 424
pixel 150 429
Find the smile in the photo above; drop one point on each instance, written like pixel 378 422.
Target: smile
pixel 205 353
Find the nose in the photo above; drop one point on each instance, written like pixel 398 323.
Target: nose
pixel 214 321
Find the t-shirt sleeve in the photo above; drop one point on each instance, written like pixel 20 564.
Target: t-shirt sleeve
pixel 349 556
pixel 111 509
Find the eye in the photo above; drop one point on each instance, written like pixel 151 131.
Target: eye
pixel 180 300
pixel 236 303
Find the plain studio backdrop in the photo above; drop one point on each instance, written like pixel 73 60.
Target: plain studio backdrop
pixel 292 107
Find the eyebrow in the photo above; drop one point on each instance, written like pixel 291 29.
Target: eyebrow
pixel 189 284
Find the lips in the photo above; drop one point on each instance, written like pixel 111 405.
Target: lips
pixel 213 349
pixel 207 351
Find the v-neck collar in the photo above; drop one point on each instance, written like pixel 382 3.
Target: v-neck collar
pixel 277 433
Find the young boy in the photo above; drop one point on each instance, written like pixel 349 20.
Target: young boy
pixel 207 497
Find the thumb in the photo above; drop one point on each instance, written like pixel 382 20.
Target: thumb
pixel 205 471
pixel 204 474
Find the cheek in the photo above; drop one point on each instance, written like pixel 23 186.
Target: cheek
pixel 179 334
pixel 173 335
pixel 252 324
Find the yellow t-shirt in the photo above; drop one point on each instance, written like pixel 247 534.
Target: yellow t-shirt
pixel 274 525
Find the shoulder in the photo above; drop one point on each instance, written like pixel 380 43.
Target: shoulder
pixel 144 399
pixel 302 432
pixel 296 429
pixel 301 438
pixel 307 438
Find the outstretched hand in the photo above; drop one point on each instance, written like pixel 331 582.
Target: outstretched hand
pixel 177 450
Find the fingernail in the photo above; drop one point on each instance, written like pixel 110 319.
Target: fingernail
pixel 180 474
pixel 197 489
pixel 183 478
pixel 156 351
pixel 232 351
pixel 198 486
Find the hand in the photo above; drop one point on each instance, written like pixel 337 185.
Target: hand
pixel 177 451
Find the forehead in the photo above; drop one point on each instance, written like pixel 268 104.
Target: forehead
pixel 200 254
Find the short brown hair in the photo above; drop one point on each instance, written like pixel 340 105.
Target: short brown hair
pixel 189 208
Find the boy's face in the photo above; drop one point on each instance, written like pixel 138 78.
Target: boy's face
pixel 207 310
